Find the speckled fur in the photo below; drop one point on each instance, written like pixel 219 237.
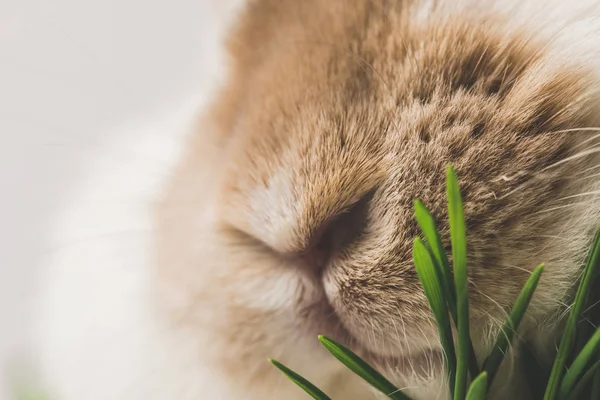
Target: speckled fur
pixel 334 117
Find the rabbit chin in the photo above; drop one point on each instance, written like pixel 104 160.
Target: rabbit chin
pixel 409 344
pixel 401 350
pixel 314 308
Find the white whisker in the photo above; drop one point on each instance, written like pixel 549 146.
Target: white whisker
pixel 576 156
pixel 593 192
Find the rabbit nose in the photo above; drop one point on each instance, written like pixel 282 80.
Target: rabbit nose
pixel 336 234
pixel 320 247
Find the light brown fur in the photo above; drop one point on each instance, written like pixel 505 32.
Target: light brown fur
pixel 335 117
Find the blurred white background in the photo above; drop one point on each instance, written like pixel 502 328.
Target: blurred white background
pixel 69 71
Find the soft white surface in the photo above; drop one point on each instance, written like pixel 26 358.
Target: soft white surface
pixel 70 72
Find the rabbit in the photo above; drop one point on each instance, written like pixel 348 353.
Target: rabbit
pixel 279 206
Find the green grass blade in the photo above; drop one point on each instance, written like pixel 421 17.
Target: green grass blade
pixel 478 389
pixel 424 265
pixel 427 225
pixel 596 385
pixel 580 387
pixel 302 382
pixel 588 320
pixel 362 369
pixel 577 368
pixel 431 234
pixel 568 338
pixel 511 325
pixel 459 260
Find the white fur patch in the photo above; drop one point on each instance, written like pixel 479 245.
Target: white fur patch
pixel 275 210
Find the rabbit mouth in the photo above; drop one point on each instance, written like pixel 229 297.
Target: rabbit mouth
pixel 425 362
pixel 403 359
pixel 400 352
pixel 399 360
